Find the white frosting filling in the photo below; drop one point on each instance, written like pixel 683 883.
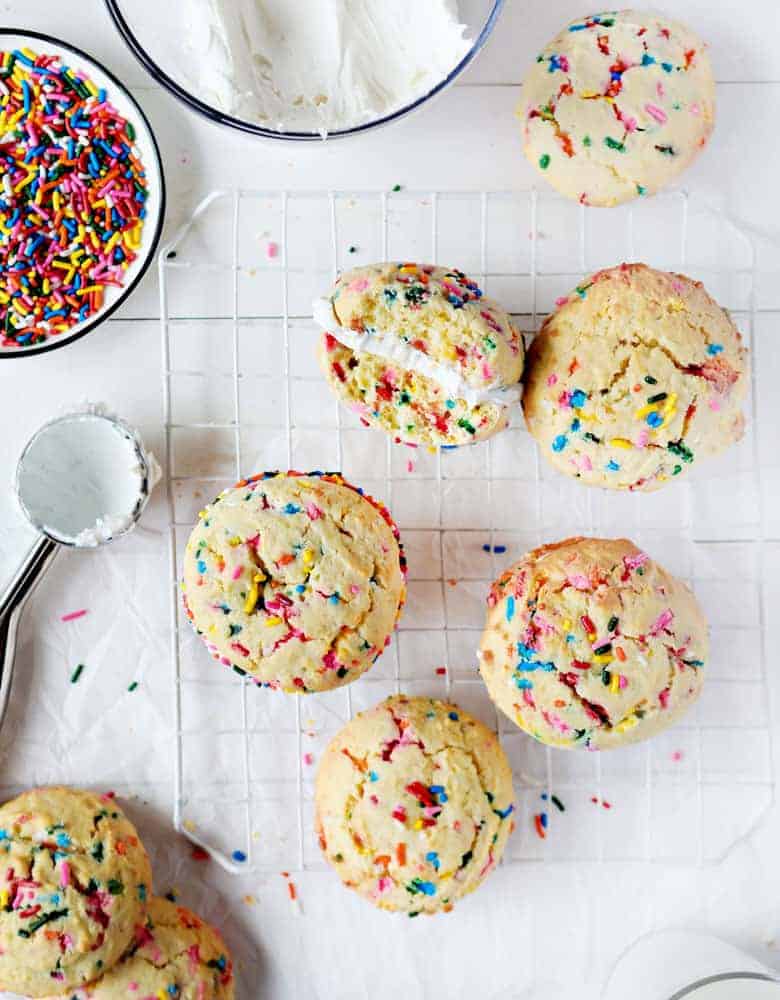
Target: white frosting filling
pixel 389 347
pixel 320 65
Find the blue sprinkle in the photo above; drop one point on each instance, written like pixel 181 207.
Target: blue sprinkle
pixel 433 857
pixel 524 684
pixel 575 425
pixel 173 989
pixel 62 840
pixel 450 404
pixel 373 776
pixel 4 835
pixel 503 813
pixel 667 67
pixel 334 598
pixel 454 716
pixel 544 796
pixel 142 893
pixel 290 508
pixel 612 466
pixel 436 789
pixel 299 588
pixel 54 899
pixel 648 60
pixel 201 566
pixel 570 638
pixel 654 419
pixel 544 820
pixel 510 608
pixel 238 856
pixel 578 399
pixel 560 442
pixel 714 349
pixel 428 888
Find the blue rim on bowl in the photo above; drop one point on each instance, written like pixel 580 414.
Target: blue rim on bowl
pixel 149 251
pixel 215 115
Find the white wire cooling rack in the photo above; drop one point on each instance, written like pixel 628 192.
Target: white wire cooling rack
pixel 242 394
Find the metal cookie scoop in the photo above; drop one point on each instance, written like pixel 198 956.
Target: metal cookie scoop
pixel 82 481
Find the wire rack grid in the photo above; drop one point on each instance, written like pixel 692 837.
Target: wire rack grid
pixel 242 394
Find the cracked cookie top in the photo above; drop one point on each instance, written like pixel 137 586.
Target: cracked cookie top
pixel 413 804
pixel 73 888
pixel 296 580
pixel 589 644
pixel 617 106
pixel 174 954
pixel 423 353
pixel 636 376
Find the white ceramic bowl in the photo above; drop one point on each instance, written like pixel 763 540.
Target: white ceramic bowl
pixel 150 155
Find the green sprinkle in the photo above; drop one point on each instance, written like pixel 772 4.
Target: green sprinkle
pixel 658 398
pixel 615 144
pixel 650 380
pixel 115 887
pixel 44 918
pixel 397 188
pixel 612 624
pixel 76 673
pixel 681 450
pixel 467 426
pixel 544 161
pixel 587 142
pixel 606 677
pixel 133 686
pixel 353 249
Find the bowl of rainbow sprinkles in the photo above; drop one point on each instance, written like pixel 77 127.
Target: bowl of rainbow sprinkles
pixel 82 198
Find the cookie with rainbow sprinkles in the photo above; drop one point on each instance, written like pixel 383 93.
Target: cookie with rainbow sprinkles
pixel 589 645
pixel 296 580
pixel 174 954
pixel 414 804
pixel 74 886
pixel 617 106
pixel 421 353
pixel 636 377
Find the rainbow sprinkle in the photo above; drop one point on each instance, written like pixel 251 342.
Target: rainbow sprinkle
pixel 73 197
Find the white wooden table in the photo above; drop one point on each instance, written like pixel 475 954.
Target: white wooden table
pixel 530 925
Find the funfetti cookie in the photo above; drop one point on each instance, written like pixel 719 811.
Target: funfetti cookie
pixel 296 580
pixel 589 644
pixel 74 881
pixel 617 106
pixel 414 804
pixel 420 352
pixel 636 377
pixel 174 954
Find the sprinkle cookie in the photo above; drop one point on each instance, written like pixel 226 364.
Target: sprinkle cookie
pixel 73 889
pixel 617 106
pixel 296 580
pixel 637 376
pixel 413 804
pixel 589 644
pixel 420 352
pixel 73 198
pixel 174 955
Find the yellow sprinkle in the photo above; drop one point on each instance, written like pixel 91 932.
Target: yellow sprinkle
pixel 603 659
pixel 190 825
pixel 201 513
pixel 259 577
pixel 308 557
pixel 620 443
pixel 417 825
pixel 234 541
pixel 628 723
pixel 614 684
pixel 251 600
pixel 4 898
pixel 270 622
pixel 162 995
pixel 645 410
pixel 409 269
pixel 567 625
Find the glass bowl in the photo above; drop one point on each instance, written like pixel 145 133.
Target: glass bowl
pixel 153 31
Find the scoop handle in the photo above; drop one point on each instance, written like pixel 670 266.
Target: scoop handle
pixel 12 601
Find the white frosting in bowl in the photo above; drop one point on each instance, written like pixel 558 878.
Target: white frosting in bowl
pixel 320 65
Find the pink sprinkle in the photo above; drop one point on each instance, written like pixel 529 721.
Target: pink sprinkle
pixel 528 698
pixel 556 722
pixel 330 661
pixel 313 511
pixel 695 109
pixel 677 756
pixel 132 986
pixel 273 249
pixel 634 562
pixel 623 682
pixel 237 572
pixel 663 697
pixel 663 622
pixel 629 124
pixel 579 581
pixel 714 404
pixel 562 301
pixel 661 91
pixel 308 759
pixel 358 285
pixel 658 113
pixel 643 438
pixel 73 615
pixel 410 466
pixel 552 379
pixel 384 884
pixel 64 874
pixel 563 62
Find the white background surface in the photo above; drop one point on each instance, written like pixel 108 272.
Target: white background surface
pixel 529 924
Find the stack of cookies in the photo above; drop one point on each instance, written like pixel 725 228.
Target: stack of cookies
pixel 78 919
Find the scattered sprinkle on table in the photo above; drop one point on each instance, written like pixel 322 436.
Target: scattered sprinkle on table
pixel 273 249
pixel 133 686
pixel 238 856
pixel 596 801
pixel 73 197
pixel 397 188
pixel 677 756
pixel 198 854
pixel 498 549
pixel 540 825
pixel 249 900
pixel 73 615
pixel 308 759
pixel 441 671
pixel 557 803
pixel 76 673
pixel 353 249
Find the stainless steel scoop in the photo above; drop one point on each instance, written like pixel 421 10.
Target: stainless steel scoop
pixel 83 480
